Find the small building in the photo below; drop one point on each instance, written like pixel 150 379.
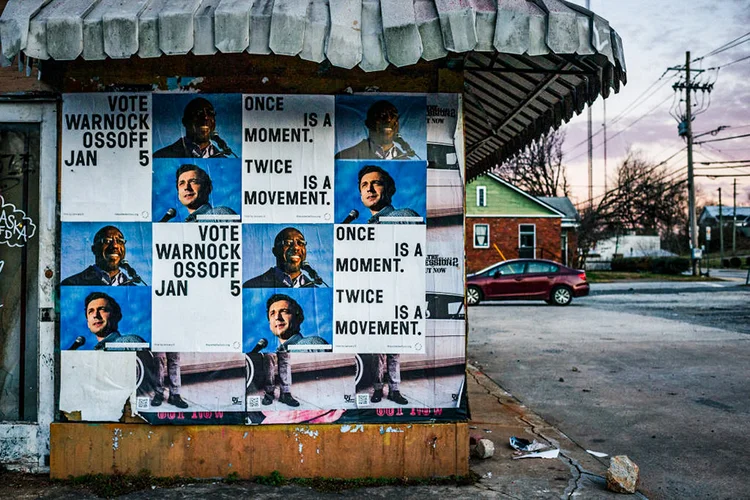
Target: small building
pixel 710 217
pixel 504 222
pixel 568 228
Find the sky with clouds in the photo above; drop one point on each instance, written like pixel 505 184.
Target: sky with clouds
pixel 656 34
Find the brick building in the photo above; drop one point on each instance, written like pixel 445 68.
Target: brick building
pixel 504 222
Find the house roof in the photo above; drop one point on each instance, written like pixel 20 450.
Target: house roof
pixel 726 212
pixel 538 201
pixel 564 205
pixel 528 65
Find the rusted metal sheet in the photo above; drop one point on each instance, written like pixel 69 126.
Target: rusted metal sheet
pixel 391 450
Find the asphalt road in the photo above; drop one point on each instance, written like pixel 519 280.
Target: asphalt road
pixel 658 372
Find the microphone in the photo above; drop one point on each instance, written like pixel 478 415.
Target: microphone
pixel 222 144
pixel 408 151
pixel 352 215
pixel 262 343
pixel 169 215
pixel 79 341
pixel 132 272
pixel 313 274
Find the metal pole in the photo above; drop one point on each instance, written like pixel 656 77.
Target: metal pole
pixel 591 144
pixel 691 182
pixel 721 233
pixel 604 127
pixel 734 220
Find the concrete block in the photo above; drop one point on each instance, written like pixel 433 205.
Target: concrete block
pixel 428 22
pixel 345 38
pixel 260 27
pixel 176 26
pixel 65 29
pixel 486 17
pixel 204 41
pixel 622 475
pixel 316 31
pixel 148 30
pixel 120 28
pixel 14 25
pixel 232 25
pixel 288 23
pixel 457 21
pixel 403 45
pixel 373 38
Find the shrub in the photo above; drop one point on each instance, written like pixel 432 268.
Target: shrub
pixel 656 265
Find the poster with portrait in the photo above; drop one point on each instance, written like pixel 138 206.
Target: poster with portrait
pixel 106 157
pixel 269 258
pixel 287 158
pixel 179 388
pixel 108 318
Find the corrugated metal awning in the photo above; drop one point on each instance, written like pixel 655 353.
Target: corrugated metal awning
pixel 529 64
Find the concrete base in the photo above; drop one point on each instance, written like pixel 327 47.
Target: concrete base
pixel 332 450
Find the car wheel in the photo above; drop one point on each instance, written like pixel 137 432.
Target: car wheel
pixel 561 296
pixel 473 295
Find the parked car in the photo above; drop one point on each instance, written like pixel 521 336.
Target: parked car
pixel 527 279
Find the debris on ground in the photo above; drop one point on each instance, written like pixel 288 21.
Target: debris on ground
pixel 484 449
pixel 596 453
pixel 540 454
pixel 622 476
pixel 522 444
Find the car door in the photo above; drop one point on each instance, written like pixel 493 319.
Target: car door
pixel 539 279
pixel 507 280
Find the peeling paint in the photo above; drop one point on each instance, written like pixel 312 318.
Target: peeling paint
pixel 116 435
pixel 352 428
pixel 184 83
pixel 244 435
pixel 300 448
pixel 390 429
pixel 306 431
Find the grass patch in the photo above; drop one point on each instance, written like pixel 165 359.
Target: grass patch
pixel 114 485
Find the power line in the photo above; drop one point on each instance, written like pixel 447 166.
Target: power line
pixel 724 139
pixel 726 161
pixel 728 45
pixel 730 63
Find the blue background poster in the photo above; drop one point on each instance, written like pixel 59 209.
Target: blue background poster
pixel 77 238
pixel 351 114
pixel 316 304
pixel 134 301
pixel 410 178
pixel 225 177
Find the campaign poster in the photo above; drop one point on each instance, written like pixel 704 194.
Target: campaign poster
pixel 445 143
pixel 204 126
pixel 299 382
pixel 196 290
pixel 287 158
pixel 196 190
pixel 106 157
pixel 105 254
pixel 108 318
pixel 287 319
pixel 193 388
pixel 381 127
pixel 287 255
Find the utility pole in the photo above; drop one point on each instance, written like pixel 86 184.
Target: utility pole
pixel 734 220
pixel 604 130
pixel 685 129
pixel 591 145
pixel 721 233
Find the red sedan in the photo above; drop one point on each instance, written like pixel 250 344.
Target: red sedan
pixel 527 279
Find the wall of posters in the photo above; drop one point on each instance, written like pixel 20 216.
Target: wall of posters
pixel 268 258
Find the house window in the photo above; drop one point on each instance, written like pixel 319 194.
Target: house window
pixel 481 196
pixel 526 241
pixel 481 236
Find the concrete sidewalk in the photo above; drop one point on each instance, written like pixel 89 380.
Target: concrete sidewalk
pixel 496 415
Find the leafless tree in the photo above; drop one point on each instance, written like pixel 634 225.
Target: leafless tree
pixel 646 199
pixel 539 169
